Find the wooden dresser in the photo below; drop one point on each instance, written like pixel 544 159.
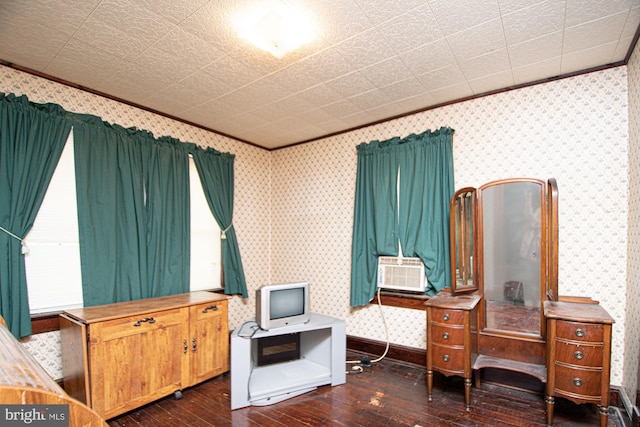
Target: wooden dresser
pixel 451 345
pixel 578 355
pixel 117 357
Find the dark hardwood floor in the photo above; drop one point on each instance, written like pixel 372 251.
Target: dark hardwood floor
pixel 388 393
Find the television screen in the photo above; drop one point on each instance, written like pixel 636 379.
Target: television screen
pixel 287 302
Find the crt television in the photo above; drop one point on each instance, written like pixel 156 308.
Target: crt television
pixel 282 304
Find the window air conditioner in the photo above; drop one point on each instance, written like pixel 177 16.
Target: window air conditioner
pixel 406 274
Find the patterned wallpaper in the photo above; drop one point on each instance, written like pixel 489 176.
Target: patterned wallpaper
pixel 575 130
pixel 631 368
pixel 294 207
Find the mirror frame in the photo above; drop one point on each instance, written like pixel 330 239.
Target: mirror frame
pixel 457 239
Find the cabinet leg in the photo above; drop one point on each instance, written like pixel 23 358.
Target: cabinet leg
pixel 604 415
pixel 429 385
pixel 549 404
pixel 467 393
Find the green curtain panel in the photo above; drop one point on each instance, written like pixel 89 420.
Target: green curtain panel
pixel 421 167
pixel 133 213
pixel 32 137
pixel 375 229
pixel 215 170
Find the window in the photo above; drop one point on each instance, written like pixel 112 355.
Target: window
pixel 53 264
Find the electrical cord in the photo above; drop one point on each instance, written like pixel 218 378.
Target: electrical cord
pixel 365 362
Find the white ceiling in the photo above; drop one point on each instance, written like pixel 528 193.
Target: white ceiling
pixel 373 59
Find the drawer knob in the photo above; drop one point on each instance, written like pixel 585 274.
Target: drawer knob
pixel 579 355
pixel 579 332
pixel 446 317
pixel 445 357
pixel 211 307
pixel 445 336
pixel 577 382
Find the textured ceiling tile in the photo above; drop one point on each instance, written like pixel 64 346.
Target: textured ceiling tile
pixel 488 83
pixel 582 11
pixel 320 95
pixel 484 38
pixel 442 77
pixel 380 11
pixel 197 89
pixel 24 45
pixel 63 15
pixel 230 71
pixel 351 84
pixel 537 71
pixel 411 29
pixel 491 63
pixel 387 72
pixel 453 18
pixel 429 57
pixel 365 49
pixel 339 19
pixel 450 93
pixel 83 64
pixel 592 33
pixel 172 10
pixel 112 40
pixel 548 15
pixel 341 108
pixel 588 58
pixel 404 89
pixel 368 100
pixel 510 6
pixel 536 50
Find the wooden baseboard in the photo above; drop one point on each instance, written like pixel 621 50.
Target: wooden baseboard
pixel 401 353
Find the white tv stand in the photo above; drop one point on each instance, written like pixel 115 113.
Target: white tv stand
pixel 322 361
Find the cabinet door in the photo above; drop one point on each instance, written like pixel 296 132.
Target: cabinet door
pixel 209 342
pixel 135 360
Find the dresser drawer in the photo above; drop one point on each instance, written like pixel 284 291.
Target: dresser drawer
pixel 577 354
pixel 446 316
pixel 134 325
pixel 586 383
pixel 577 331
pixel 448 358
pixel 447 335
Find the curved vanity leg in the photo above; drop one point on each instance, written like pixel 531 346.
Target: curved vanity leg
pixel 550 402
pixel 467 393
pixel 604 415
pixel 429 385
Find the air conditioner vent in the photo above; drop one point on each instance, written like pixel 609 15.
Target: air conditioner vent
pixel 400 273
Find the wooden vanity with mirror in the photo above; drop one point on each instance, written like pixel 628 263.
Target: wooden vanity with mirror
pixel 504 268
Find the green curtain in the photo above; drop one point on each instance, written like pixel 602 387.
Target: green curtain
pixel 426 187
pixel 420 221
pixel 133 213
pixel 375 221
pixel 32 137
pixel 215 170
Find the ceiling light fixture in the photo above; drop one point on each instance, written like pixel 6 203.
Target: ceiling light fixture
pixel 274 27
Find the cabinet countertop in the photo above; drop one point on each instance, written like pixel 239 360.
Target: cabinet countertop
pixel 116 310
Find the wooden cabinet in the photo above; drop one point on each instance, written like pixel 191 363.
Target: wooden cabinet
pixel 118 357
pixel 451 345
pixel 578 355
